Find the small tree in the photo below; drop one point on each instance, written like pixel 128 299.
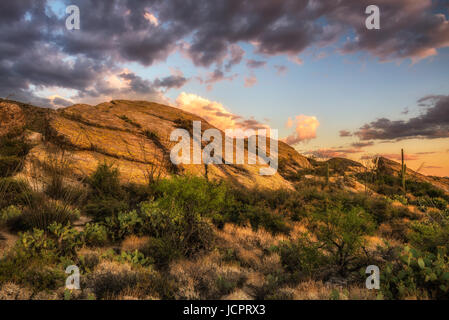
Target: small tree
pixel 341 234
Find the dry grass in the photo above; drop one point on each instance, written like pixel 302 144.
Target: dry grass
pixel 133 243
pixel 317 290
pixel 206 277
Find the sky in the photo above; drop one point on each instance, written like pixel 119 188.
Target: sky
pixel 309 68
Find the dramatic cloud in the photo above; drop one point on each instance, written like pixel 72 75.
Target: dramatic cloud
pixel 432 123
pixel 409 29
pixel 215 113
pixel 37 52
pixel 305 129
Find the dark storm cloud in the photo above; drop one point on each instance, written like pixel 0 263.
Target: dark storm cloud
pixel 409 28
pixel 432 123
pixel 170 82
pixel 36 51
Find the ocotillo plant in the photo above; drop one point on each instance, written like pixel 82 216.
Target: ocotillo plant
pixel 403 171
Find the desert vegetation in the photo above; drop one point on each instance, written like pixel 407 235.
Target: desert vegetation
pixel 183 234
pixel 187 237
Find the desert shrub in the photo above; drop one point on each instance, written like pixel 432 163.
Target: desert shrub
pixel 12 151
pixel 14 192
pixel 244 206
pixel 416 274
pixel 110 284
pixel 301 257
pixel 185 230
pixel 135 258
pixel 11 218
pixel 124 224
pixel 41 213
pixel 57 168
pixel 32 273
pixel 341 233
pixel 105 182
pixel 67 239
pixel 162 251
pixel 68 194
pixel 95 234
pixel 188 232
pixel 270 221
pixel 192 195
pixel 137 193
pixel 432 233
pixel 380 210
pixel 13 145
pixel 423 189
pixel 87 262
pixel 10 165
pixel 426 202
pixel 101 208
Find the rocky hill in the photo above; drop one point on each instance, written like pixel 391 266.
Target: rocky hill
pixel 132 135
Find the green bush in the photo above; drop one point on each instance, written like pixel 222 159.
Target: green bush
pixel 272 222
pixel 11 217
pixel 186 230
pixel 95 234
pixel 105 182
pixel 431 234
pixel 191 194
pixel 124 224
pixel 302 257
pixel 341 234
pixel 162 251
pixel 67 239
pixel 416 274
pixel 101 208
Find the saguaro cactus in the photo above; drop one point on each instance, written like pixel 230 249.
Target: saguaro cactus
pixel 403 171
pixel 327 173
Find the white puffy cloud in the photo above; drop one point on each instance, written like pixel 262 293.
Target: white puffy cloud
pixel 305 129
